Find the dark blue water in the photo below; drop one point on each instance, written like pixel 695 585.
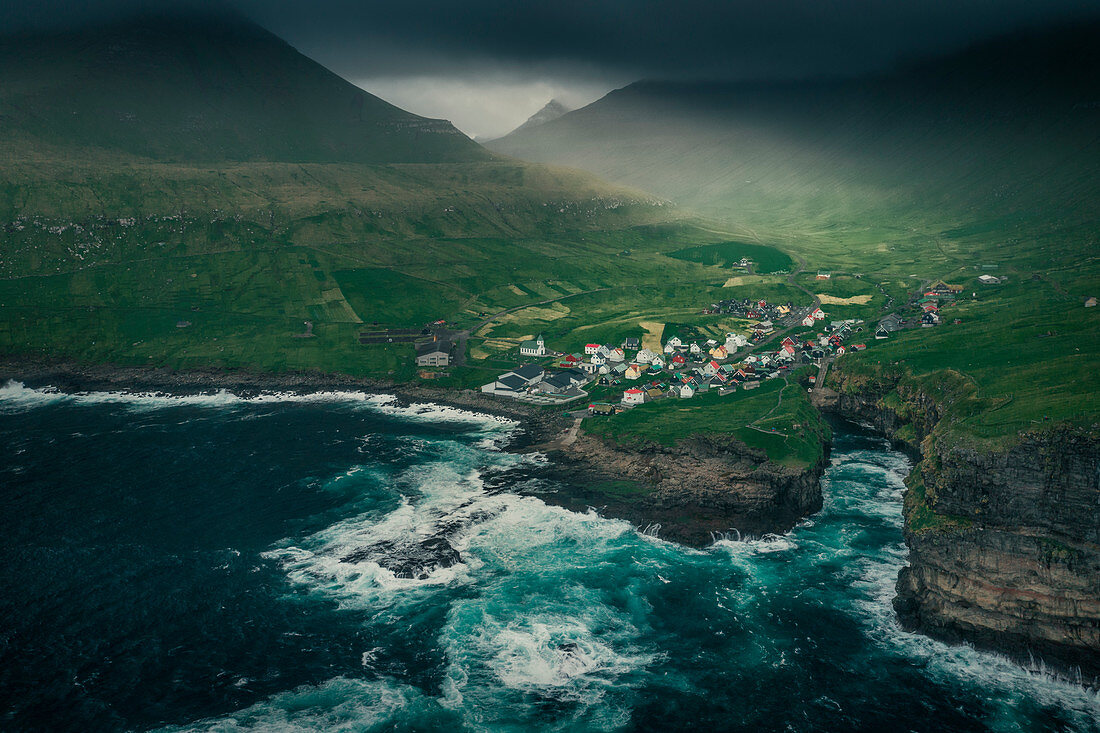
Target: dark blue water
pixel 213 563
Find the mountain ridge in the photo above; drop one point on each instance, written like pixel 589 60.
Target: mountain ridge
pixel 237 93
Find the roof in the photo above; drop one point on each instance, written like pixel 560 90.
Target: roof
pixel 559 380
pixel 633 390
pixel 513 382
pixel 529 371
pixel 431 347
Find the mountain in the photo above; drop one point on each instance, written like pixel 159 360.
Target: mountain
pixel 552 110
pixel 1004 132
pixel 204 89
pixel 197 170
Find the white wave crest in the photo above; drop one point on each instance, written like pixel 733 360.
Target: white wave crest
pixel 338 704
pixel 17 397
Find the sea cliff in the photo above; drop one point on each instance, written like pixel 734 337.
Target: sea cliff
pixel 703 487
pixel 1004 538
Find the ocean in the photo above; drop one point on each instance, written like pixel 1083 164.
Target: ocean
pixel 338 561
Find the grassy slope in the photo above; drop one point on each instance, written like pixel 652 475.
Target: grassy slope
pixel 1023 357
pixel 986 158
pixel 210 174
pixel 668 421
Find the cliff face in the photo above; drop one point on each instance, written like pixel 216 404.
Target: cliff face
pixel 1004 544
pixel 703 487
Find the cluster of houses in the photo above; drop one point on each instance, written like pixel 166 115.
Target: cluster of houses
pixel 689 378
pixel 679 368
pixel 766 314
pixel 929 306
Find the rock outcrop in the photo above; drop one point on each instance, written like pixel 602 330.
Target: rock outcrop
pixel 702 488
pixel 1004 540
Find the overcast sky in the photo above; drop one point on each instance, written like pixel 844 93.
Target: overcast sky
pixel 489 64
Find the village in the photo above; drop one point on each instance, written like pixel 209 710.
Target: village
pixel 627 374
pixel 680 368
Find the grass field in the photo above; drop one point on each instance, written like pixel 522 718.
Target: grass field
pixel 728 254
pixel 790 431
pixel 1023 357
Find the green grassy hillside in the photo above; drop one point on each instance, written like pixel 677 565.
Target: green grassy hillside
pixel 189 192
pixel 983 161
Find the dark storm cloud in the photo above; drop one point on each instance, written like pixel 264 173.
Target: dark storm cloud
pixel 656 38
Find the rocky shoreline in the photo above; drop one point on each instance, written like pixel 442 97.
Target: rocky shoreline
pixel 1004 544
pixel 702 489
pixel 694 493
pixel 539 425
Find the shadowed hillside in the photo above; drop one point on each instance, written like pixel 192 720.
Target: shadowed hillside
pixel 995 146
pixel 205 89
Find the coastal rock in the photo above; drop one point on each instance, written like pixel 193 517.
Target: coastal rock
pixel 704 487
pixel 1004 541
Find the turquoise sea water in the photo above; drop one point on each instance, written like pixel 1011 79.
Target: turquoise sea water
pixel 338 562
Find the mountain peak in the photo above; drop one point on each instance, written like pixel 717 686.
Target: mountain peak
pixel 550 111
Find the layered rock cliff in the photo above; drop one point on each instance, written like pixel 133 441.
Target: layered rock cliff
pixel 703 487
pixel 1004 540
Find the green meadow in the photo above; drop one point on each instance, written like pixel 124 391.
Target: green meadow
pixel 776 418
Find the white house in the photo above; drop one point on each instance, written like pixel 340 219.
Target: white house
pixel 590 349
pixel 588 367
pixel 599 359
pixel 645 356
pixel 818 314
pixel 669 348
pixel 695 348
pixel 658 362
pixel 616 355
pixel 633 396
pixel 735 341
pixel 533 348
pixel 675 342
pixel 686 391
pixel 808 321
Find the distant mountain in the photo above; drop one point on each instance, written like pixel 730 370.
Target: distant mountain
pixel 552 110
pixel 201 88
pixel 1004 132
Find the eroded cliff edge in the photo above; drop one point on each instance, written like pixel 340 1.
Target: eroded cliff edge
pixel 703 487
pixel 1004 537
